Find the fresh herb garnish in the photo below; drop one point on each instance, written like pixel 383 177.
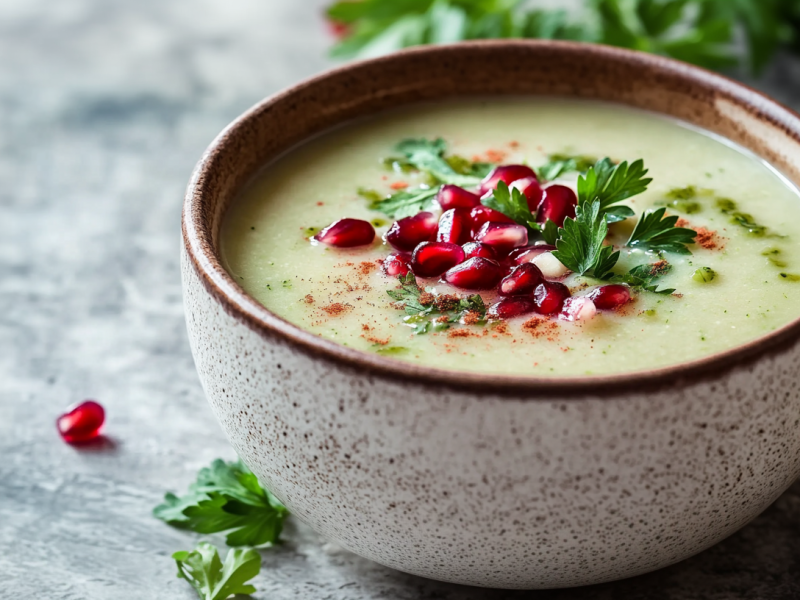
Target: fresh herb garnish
pixel 658 233
pixel 704 275
pixel 227 497
pixel 211 578
pixel 610 184
pixel 421 305
pixel 404 203
pixel 703 32
pixel 512 203
pixel 561 164
pixel 644 277
pixel 744 220
pixel 428 156
pixel 580 246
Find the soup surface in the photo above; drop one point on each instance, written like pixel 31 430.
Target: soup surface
pixel 739 282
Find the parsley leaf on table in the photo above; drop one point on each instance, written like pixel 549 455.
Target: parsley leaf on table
pixel 610 184
pixel 227 497
pixel 580 245
pixel 656 232
pixel 211 578
pixel 645 277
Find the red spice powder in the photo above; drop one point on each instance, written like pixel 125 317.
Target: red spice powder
pixel 444 302
pixel 398 185
pixel 461 333
pixel 366 267
pixel 377 340
pixel 708 239
pixel 309 299
pixel 426 298
pixel 336 309
pixel 472 317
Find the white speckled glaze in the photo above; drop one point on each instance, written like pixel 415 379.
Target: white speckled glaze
pixel 495 481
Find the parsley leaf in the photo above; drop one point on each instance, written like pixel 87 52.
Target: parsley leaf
pixel 226 497
pixel 549 232
pixel 404 203
pixel 644 277
pixel 580 245
pixel 561 164
pixel 408 295
pixel 656 232
pixel 610 184
pixel 213 580
pixel 428 156
pixel 512 203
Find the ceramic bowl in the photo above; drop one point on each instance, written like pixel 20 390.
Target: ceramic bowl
pixel 490 480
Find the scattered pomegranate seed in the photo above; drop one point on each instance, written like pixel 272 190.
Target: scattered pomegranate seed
pixel 530 188
pixel 557 204
pixel 431 259
pixel 475 274
pixel 526 254
pixel 452 196
pixel 511 307
pixel 473 249
pixel 82 422
pixel 406 234
pixel 484 214
pixel 550 297
pixel 502 237
pixel 454 225
pixel 522 280
pixel 346 233
pixel 550 266
pixel 507 174
pixel 608 297
pixel 398 264
pixel 578 309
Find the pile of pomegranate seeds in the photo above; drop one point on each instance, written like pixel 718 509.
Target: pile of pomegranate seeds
pixel 474 247
pixel 82 422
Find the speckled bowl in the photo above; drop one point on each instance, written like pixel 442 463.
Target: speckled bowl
pixel 489 480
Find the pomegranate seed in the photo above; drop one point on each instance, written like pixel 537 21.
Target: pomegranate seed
pixel 550 297
pixel 511 307
pixel 502 237
pixel 396 265
pixel 431 259
pixel 473 249
pixel 82 422
pixel 530 188
pixel 484 214
pixel 452 196
pixel 522 280
pixel 526 254
pixel 406 234
pixel 608 297
pixel 454 226
pixel 507 174
pixel 475 274
pixel 346 233
pixel 578 309
pixel 557 204
pixel 550 266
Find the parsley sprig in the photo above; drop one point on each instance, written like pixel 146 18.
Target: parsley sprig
pixel 656 232
pixel 580 245
pixel 562 164
pixel 610 184
pixel 645 277
pixel 428 312
pixel 211 578
pixel 226 497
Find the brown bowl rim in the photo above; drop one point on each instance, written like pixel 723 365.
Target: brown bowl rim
pixel 198 244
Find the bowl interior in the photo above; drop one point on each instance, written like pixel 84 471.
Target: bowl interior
pixel 274 126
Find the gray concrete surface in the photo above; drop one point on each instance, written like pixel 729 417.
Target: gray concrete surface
pixel 105 105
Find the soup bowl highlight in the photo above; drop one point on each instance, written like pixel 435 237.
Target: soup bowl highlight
pixel 493 480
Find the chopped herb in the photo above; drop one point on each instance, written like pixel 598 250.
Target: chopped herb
pixel 226 497
pixel 580 246
pixel 561 164
pixel 463 166
pixel 391 350
pixel 656 232
pixel 644 277
pixel 790 277
pixel 610 184
pixel 726 205
pixel 211 578
pixel 398 165
pixel 378 222
pixel 744 220
pixel 704 275
pixel 428 156
pixel 311 231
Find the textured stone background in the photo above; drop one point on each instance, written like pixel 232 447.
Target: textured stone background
pixel 105 105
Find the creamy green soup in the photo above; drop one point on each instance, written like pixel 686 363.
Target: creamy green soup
pixel 739 283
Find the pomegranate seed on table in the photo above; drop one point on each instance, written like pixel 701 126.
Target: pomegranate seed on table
pixel 523 280
pixel 454 226
pixel 431 259
pixel 526 254
pixel 483 214
pixel 406 234
pixel 550 266
pixel 82 422
pixel 508 174
pixel 473 249
pixel 557 204
pixel 346 233
pixel 511 307
pixel 398 264
pixel 502 237
pixel 550 296
pixel 475 274
pixel 530 188
pixel 608 297
pixel 578 309
pixel 452 196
